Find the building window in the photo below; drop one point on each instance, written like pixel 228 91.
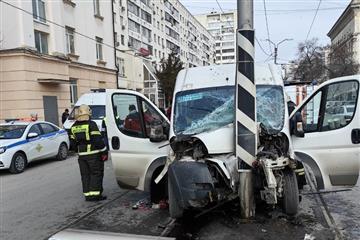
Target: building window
pixel 121 66
pixel 146 16
pixel 39 10
pixel 99 53
pixel 133 9
pixel 146 33
pixel 134 43
pixel 73 91
pixel 122 40
pixel 41 43
pixel 133 26
pixel 70 40
pixel 97 7
pixel 116 39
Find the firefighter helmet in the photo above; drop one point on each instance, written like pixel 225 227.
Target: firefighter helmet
pixel 84 113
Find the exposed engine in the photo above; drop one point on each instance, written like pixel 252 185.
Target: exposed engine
pixel 272 160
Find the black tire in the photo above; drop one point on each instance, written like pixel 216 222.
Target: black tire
pixel 175 210
pixel 18 163
pixel 291 193
pixel 62 152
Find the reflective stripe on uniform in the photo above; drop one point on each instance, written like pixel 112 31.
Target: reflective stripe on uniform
pixel 88 152
pixel 299 170
pixel 92 152
pixel 81 129
pixel 95 133
pixel 87 194
pixel 94 193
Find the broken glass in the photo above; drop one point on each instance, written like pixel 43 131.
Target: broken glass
pixel 208 109
pixel 203 110
pixel 270 107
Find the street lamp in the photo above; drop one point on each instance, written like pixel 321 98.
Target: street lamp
pixel 276 46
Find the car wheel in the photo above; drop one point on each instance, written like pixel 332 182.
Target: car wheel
pixel 18 163
pixel 291 193
pixel 62 152
pixel 176 211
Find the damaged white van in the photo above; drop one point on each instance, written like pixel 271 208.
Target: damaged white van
pixel 197 148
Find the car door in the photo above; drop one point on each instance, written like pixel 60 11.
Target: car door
pixel 330 145
pixel 35 146
pixel 129 116
pixel 50 142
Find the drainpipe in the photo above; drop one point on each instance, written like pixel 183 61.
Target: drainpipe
pixel 115 49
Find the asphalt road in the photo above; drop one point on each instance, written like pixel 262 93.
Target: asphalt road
pixel 45 198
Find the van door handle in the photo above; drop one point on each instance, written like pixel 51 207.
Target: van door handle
pixel 355 136
pixel 115 143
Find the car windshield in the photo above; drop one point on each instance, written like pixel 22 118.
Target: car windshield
pixel 208 109
pixel 12 131
pixel 97 112
pixel 270 107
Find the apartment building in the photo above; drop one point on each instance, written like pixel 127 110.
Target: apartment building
pixel 51 52
pixel 346 31
pixel 147 32
pixel 222 26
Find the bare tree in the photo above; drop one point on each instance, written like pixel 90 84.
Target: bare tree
pixel 310 63
pixel 342 61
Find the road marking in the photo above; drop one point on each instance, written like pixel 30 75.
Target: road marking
pixel 324 208
pixel 87 214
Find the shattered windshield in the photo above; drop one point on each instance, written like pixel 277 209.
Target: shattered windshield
pixel 270 107
pixel 203 110
pixel 208 109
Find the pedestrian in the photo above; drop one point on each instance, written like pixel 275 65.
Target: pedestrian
pixel 290 104
pixel 64 116
pixel 86 138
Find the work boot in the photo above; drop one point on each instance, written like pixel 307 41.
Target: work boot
pixel 99 198
pixel 89 198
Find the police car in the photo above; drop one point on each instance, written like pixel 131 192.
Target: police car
pixel 24 142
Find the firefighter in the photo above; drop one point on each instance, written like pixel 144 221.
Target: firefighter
pixel 89 143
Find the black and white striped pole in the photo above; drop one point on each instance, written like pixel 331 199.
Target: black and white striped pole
pixel 245 130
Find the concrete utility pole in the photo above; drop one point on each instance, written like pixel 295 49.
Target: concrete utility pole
pixel 245 127
pixel 276 47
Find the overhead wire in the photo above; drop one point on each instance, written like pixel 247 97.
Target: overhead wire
pixel 312 23
pixel 261 47
pixel 267 26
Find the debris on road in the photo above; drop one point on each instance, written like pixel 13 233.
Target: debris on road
pixel 309 237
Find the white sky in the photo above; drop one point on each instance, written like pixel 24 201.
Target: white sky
pixel 286 19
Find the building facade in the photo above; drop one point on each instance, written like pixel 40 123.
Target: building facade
pixel 147 32
pixel 51 52
pixel 346 30
pixel 222 26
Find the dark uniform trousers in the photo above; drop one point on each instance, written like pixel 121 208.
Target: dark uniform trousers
pixel 92 173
